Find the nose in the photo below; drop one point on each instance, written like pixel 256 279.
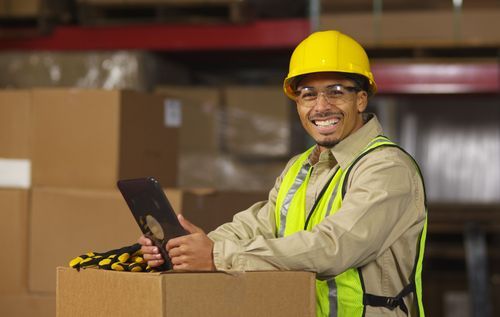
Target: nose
pixel 322 102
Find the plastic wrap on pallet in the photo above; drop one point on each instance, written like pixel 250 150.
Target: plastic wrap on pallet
pixel 224 172
pixel 257 122
pixel 104 70
pixel 458 150
pixel 259 175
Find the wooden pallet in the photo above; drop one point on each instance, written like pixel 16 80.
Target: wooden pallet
pixel 95 12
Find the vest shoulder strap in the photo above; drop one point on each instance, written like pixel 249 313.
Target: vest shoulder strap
pixel 385 143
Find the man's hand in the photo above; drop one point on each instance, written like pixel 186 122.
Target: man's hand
pixel 193 251
pixel 150 252
pixel 189 252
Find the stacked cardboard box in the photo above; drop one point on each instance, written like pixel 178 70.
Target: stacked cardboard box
pixel 14 195
pixel 15 181
pixel 209 208
pixel 405 28
pixel 18 9
pixel 78 143
pixel 92 138
pixel 15 151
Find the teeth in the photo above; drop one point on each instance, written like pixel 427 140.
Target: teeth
pixel 326 122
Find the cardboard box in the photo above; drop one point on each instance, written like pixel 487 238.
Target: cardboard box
pixel 28 305
pixel 14 237
pixel 201 111
pixel 66 223
pixel 405 28
pixel 92 138
pixel 210 208
pixel 15 122
pixel 107 293
pixel 19 9
pixel 258 121
pixel 15 147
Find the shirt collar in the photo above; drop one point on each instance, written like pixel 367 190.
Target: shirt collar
pixel 349 148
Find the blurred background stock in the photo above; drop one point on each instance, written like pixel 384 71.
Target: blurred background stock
pixel 189 91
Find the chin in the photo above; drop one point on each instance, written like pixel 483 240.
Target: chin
pixel 327 143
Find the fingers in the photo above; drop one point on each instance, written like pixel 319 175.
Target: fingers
pixel 174 243
pixel 144 241
pixel 188 226
pixel 177 251
pixel 181 266
pixel 150 252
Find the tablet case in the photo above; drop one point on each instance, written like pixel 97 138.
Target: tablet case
pixel 152 212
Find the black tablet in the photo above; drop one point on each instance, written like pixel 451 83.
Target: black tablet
pixel 152 212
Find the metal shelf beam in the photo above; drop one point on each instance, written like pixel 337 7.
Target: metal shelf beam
pixel 263 34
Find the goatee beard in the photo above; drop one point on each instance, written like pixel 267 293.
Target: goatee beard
pixel 328 144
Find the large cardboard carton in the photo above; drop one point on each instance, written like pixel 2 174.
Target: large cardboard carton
pixel 15 149
pixel 200 125
pixel 405 28
pixel 258 121
pixel 107 293
pixel 209 208
pixel 14 237
pixel 28 305
pixel 15 122
pixel 92 138
pixel 19 9
pixel 66 223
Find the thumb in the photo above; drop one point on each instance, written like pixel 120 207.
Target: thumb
pixel 188 226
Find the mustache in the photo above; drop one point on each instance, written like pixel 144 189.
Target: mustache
pixel 325 114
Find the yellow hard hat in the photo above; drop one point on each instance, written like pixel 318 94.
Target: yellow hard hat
pixel 328 51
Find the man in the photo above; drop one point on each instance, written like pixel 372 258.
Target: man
pixel 351 208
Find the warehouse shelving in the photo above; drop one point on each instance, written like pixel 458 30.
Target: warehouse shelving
pixel 264 34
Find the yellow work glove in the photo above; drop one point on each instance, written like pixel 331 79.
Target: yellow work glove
pixel 128 258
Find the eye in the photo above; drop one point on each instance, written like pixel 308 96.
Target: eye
pixel 335 91
pixel 308 95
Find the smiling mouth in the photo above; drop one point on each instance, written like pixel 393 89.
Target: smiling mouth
pixel 326 123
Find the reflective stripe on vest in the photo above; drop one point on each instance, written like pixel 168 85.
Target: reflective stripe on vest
pixel 344 295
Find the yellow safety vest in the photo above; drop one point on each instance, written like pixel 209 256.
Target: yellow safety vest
pixel 344 295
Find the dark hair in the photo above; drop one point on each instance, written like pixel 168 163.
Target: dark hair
pixel 296 81
pixel 360 81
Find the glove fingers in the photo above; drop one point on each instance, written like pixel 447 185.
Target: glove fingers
pixel 127 258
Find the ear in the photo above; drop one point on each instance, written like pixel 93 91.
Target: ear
pixel 362 101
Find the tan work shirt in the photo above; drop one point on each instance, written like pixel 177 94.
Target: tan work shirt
pixel 377 227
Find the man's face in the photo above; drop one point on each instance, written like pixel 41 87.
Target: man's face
pixel 331 116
